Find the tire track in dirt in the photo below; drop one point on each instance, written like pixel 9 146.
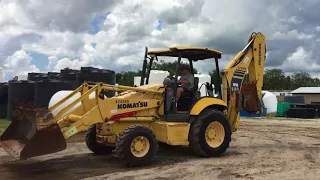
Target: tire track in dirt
pixel 260 149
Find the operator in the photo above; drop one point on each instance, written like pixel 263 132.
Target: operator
pixel 186 80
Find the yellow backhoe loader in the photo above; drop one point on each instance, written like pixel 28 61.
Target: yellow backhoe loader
pixel 135 121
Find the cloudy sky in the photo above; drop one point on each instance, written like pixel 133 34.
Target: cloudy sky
pixel 42 35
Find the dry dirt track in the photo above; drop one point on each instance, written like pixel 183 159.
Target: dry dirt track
pixel 261 149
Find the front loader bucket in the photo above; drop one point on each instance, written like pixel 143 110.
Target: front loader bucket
pixel 33 132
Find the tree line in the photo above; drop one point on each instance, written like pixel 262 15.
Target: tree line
pixel 274 79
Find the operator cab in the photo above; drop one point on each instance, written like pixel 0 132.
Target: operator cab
pixel 181 109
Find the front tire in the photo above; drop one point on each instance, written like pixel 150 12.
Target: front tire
pixel 210 133
pixel 93 145
pixel 136 146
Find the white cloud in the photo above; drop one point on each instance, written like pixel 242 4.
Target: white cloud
pixel 291 35
pixel 1 75
pixel 301 60
pixel 71 15
pixel 59 30
pixel 57 43
pixel 18 64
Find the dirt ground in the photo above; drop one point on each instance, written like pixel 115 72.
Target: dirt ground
pixel 260 149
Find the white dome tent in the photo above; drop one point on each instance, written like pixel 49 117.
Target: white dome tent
pixel 137 80
pixel 157 76
pixel 270 101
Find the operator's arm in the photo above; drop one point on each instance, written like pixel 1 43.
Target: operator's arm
pixel 184 81
pixel 188 80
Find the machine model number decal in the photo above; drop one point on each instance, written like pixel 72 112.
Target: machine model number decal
pixel 122 101
pixel 132 105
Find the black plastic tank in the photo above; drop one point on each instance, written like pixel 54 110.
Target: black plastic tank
pixel 45 89
pixel 20 91
pixel 295 99
pixel 54 75
pixel 304 113
pixel 69 75
pixel 3 93
pixel 91 74
pixel 3 100
pixel 88 69
pixel 3 111
pixel 37 76
pixel 315 102
pixel 316 107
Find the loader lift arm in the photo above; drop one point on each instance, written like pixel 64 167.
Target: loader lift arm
pixel 242 79
pixel 91 113
pixel 43 133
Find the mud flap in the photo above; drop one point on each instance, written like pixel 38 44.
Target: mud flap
pixel 33 132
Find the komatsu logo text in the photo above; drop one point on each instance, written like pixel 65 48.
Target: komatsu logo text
pixel 132 105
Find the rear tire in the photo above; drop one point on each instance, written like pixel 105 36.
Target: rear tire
pixel 136 146
pixel 212 142
pixel 94 146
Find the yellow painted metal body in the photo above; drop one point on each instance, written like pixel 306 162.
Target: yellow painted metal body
pixel 251 61
pixel 173 133
pixel 144 105
pixel 215 134
pixel 145 101
pixel 148 104
pixel 206 102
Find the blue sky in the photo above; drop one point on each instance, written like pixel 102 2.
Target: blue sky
pixel 97 22
pixel 40 60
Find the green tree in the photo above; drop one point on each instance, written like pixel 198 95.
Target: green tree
pixel 302 79
pixel 214 79
pixel 316 82
pixel 168 66
pixel 275 79
pixel 127 78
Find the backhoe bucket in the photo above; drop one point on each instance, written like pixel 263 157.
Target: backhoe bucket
pixel 250 101
pixel 33 132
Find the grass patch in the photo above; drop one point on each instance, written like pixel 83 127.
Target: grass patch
pixel 4 123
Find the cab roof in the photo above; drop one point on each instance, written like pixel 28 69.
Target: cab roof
pixel 192 53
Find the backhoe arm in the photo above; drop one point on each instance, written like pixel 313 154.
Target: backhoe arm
pixel 242 79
